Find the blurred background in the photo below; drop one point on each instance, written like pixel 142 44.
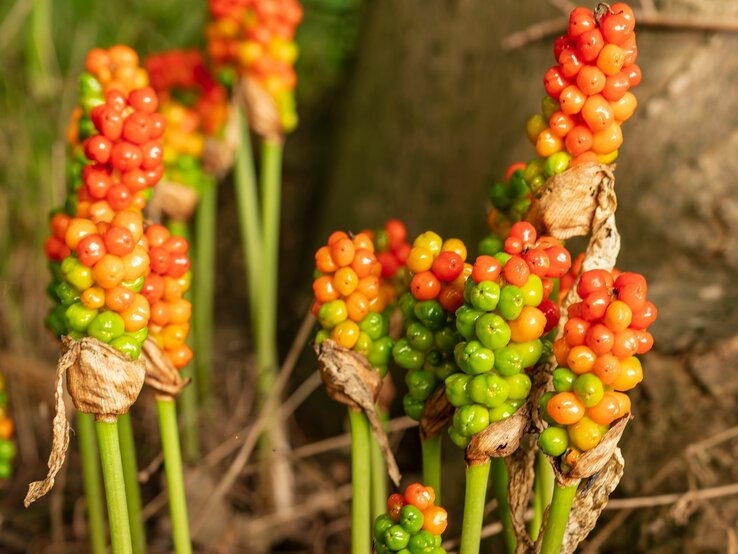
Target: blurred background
pixel 408 109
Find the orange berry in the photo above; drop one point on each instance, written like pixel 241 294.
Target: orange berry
pixel 581 359
pixel 357 306
pixel 606 368
pixel 136 263
pixel 363 241
pixel 342 252
pixel 157 235
pixel 323 260
pixel 528 326
pixel 179 356
pixel 159 314
pixel 425 285
pixel 561 351
pixel 591 80
pixel 548 143
pixel 565 408
pixel 345 281
pixel 109 271
pixel 597 113
pixel 346 333
pixel 180 311
pixel 336 236
pixel 137 315
pixel 608 140
pixel 173 289
pixel 606 410
pixel 174 336
pixel 77 229
pixel 119 298
pixel 572 100
pixel 622 109
pixel 560 124
pixel 618 316
pixel 363 262
pixel 420 259
pixel 611 59
pixel 623 401
pixel 579 140
pixel 93 298
pixel 631 373
pixel 133 221
pixel 368 286
pixel 324 290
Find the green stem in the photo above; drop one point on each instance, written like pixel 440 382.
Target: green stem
pixel 431 451
pixel 248 214
pixel 477 476
pixel 379 474
pixel 360 478
pixel 544 485
pixel 130 474
pixel 558 517
pixel 204 291
pixel 274 438
pixel 173 468
pixel 499 484
pixel 188 398
pixel 115 488
pixel 92 482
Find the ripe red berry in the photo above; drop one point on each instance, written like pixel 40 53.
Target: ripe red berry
pixel 119 197
pixel 144 100
pixel 119 241
pixel 178 265
pixel 589 44
pixel 447 266
pixel 98 149
pixel 126 156
pixel 524 231
pixel 160 260
pixel 486 268
pixel 91 249
pixel 137 128
pixel 153 154
pixel 580 20
pixel 594 280
pixel 537 261
pixel 516 271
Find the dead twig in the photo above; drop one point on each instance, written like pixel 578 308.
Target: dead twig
pixel 672 498
pixel 645 19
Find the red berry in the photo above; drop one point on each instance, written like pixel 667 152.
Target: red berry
pixel 389 264
pixel 537 261
pixel 644 317
pixel 513 245
pixel 516 271
pixel 595 305
pixel 552 312
pixel 119 241
pixel 616 27
pixel 135 180
pixel 119 197
pixel 559 44
pixel 116 100
pixel 589 45
pixel 144 100
pixel 91 249
pixel 137 128
pixel 178 265
pixel 126 156
pixel 98 149
pixel 600 339
pixel 98 183
pixel 159 260
pixel 524 231
pixel 570 63
pixel 560 261
pixel 580 20
pixel 594 280
pixel 447 266
pixel 153 288
pixel 554 82
pixel 616 86
pixel 176 245
pixel 486 268
pixel 158 125
pixel 153 154
pixel 575 331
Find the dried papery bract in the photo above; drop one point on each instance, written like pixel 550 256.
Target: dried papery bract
pixel 499 439
pixel 161 375
pixel 101 381
pixel 437 414
pixel 350 379
pixel 261 109
pixel 175 200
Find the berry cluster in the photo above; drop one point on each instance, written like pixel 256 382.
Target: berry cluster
pixel 412 524
pixel 588 90
pixel 164 288
pixel 349 300
pixel 438 272
pixel 98 253
pixel 506 311
pixel 7 447
pixel 100 271
pixel 256 39
pixel 597 361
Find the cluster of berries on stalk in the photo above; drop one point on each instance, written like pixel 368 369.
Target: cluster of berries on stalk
pixel 255 38
pixel 505 315
pixel 438 271
pixel 7 446
pixel 99 253
pixel 349 300
pixel 597 361
pixel 413 523
pixel 588 90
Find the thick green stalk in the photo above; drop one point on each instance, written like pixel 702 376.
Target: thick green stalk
pixel 188 398
pixel 431 452
pixel 275 436
pixel 130 474
pixel 379 474
pixel 204 291
pixel 249 219
pixel 499 484
pixel 544 485
pixel 175 482
pixel 477 476
pixel 558 517
pixel 92 482
pixel 115 487
pixel 361 542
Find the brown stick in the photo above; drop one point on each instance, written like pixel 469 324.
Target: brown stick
pixel 645 19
